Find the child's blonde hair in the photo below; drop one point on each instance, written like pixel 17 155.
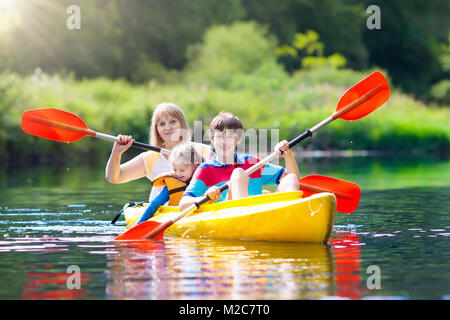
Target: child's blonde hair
pixel 174 111
pixel 186 153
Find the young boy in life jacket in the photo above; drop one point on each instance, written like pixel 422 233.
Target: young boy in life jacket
pixel 226 131
pixel 184 160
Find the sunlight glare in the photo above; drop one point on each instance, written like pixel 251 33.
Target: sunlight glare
pixel 6 5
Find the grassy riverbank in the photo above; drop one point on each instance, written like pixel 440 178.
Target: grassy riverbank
pixel 289 103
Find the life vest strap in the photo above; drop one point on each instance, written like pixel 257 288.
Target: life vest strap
pixel 177 190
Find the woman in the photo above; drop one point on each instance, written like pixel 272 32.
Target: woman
pixel 168 129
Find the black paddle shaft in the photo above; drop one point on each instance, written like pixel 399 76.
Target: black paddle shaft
pixel 144 146
pixel 206 198
pixel 301 137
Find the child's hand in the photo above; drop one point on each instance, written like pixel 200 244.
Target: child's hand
pixel 124 145
pixel 213 193
pixel 282 148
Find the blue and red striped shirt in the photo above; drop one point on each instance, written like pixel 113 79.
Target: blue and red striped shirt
pixel 214 173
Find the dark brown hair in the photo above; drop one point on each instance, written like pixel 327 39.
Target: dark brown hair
pixel 224 121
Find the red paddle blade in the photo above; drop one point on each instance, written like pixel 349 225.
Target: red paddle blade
pixel 363 98
pixel 54 124
pixel 347 193
pixel 141 231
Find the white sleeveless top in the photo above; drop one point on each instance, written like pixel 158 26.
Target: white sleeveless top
pixel 155 164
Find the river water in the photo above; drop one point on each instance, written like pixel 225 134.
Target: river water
pixel 55 221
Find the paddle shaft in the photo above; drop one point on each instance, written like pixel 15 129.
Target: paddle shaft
pixel 93 133
pixel 335 115
pixel 309 132
pixel 135 144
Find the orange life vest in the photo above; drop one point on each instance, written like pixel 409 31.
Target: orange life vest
pixel 176 187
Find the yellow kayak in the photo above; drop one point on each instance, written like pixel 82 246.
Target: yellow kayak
pixel 274 217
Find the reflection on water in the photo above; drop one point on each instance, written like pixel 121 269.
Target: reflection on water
pixel 207 269
pixel 52 285
pixel 178 268
pixel 46 228
pixel 382 173
pixel 347 261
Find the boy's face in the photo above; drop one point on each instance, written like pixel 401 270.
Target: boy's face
pixel 225 142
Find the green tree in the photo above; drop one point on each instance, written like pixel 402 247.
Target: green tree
pixel 307 51
pixel 441 90
pixel 231 51
pixel 408 43
pixel 117 37
pixel 339 22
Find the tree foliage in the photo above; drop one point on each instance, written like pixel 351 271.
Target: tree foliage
pixel 229 53
pixel 307 51
pixel 142 40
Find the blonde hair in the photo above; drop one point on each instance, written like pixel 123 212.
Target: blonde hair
pixel 186 153
pixel 174 111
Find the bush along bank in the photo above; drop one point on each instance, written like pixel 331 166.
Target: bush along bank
pixel 402 125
